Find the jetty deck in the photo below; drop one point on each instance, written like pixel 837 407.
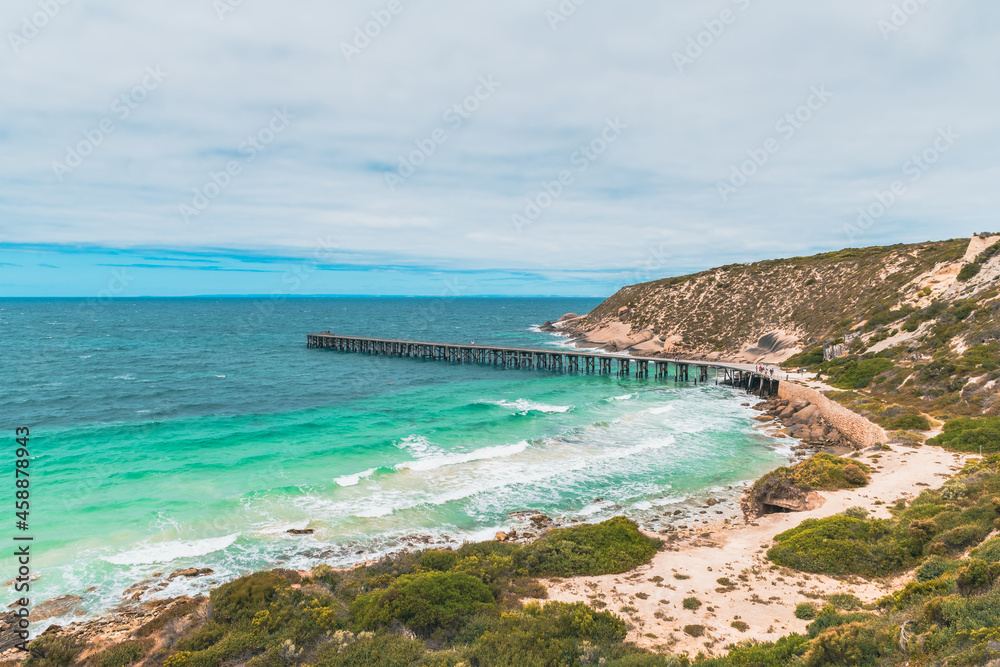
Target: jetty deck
pixel 744 376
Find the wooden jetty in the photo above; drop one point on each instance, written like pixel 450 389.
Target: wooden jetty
pixel 744 376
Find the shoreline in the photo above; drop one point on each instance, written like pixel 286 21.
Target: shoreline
pixel 704 530
pixel 759 593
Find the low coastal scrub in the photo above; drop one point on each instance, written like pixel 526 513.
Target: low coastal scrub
pixel 970 435
pixel 822 472
pixel 436 607
pixel 937 523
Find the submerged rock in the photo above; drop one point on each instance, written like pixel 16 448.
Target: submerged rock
pixel 57 607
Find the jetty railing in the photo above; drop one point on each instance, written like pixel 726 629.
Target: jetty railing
pixel 743 376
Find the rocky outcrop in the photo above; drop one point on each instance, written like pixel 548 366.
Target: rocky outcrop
pixel 776 493
pixel 57 607
pixel 804 420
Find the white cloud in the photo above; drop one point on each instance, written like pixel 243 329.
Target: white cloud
pixel 656 185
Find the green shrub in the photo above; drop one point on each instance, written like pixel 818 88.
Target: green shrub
pixel 909 422
pixel 855 644
pixel 973 577
pixel 52 651
pixel 119 655
pixel 858 374
pixel 988 551
pixel 855 512
pixel 742 626
pixel 935 567
pixel 611 547
pixel 438 559
pixel 968 435
pixel 243 598
pixel 914 591
pixel 750 653
pixel 694 630
pixel 844 601
pixel 380 650
pixel 805 611
pixel 424 602
pixel 843 545
pixel 691 603
pixel 552 634
pixel 969 271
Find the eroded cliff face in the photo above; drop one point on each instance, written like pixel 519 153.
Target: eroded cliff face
pixel 766 312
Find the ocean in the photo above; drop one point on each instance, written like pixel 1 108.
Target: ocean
pixel 175 433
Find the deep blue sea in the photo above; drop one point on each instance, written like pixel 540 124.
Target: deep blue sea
pixel 169 433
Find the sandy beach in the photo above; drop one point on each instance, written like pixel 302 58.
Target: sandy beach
pixel 759 594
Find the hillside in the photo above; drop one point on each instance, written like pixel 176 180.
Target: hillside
pixel 916 325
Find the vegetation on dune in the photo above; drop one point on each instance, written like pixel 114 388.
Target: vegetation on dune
pixel 436 608
pixel 970 435
pixel 612 547
pixel 937 523
pixel 726 307
pixel 823 472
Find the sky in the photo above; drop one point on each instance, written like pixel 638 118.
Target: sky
pixel 434 147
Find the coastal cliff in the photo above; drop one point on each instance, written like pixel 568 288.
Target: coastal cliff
pixel 768 311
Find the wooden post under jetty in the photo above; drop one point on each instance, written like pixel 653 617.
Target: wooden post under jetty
pixel 742 376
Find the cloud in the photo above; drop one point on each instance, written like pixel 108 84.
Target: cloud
pixel 207 131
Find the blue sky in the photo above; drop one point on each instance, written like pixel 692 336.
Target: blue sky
pixel 543 147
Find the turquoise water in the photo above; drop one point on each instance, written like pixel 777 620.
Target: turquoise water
pixel 196 432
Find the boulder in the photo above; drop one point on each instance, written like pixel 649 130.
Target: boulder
pixel 9 633
pixel 300 531
pixel 775 493
pixel 808 415
pixel 623 313
pixel 501 537
pixel 56 607
pixel 568 316
pixel 190 572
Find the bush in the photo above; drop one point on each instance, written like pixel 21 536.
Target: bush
pixel 424 602
pixel 843 545
pixel 119 655
pixel 51 651
pixel 691 603
pixel 988 551
pixel 243 598
pixel 968 435
pixel 973 577
pixel 611 547
pixel 858 374
pixel 844 601
pixel 552 634
pixel 910 422
pixel 740 625
pixel 855 644
pixel 381 650
pixel 694 630
pixel 805 611
pixel 935 567
pixel 969 271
